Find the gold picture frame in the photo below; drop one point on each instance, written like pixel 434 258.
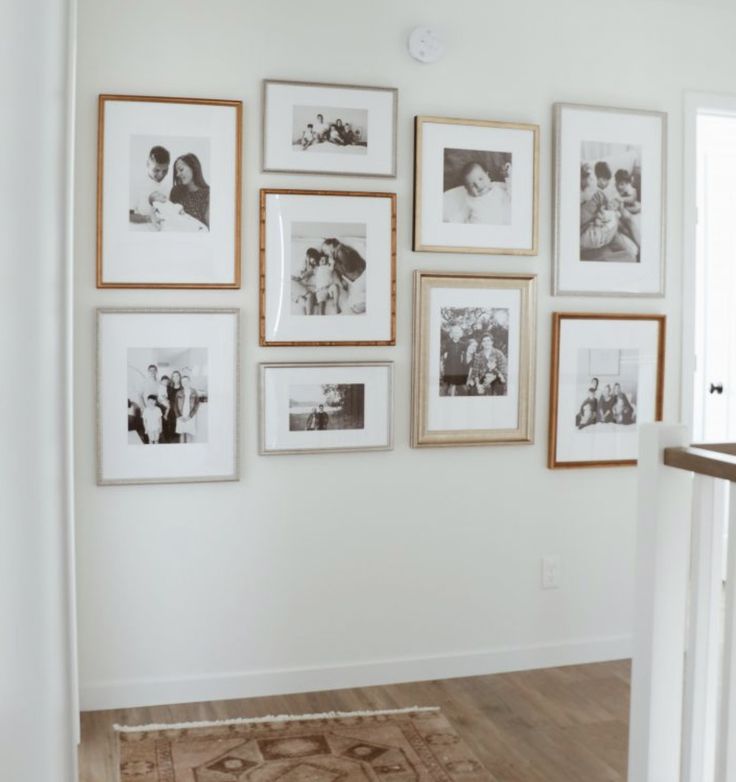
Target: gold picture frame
pixel 516 230
pixel 479 305
pixel 267 331
pixel 594 416
pixel 229 277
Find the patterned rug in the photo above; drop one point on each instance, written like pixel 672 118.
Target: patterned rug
pixel 416 745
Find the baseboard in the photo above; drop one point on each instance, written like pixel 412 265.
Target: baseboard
pixel 248 684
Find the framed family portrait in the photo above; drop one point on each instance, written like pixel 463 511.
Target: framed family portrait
pixel 315 408
pixel 168 192
pixel 167 395
pixel 607 377
pixel 476 186
pixel 329 128
pixel 610 201
pixel 328 268
pixel 474 347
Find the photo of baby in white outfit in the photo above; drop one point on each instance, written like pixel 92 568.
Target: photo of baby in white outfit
pixel 477 187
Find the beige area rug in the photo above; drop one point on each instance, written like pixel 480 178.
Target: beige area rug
pixel 409 745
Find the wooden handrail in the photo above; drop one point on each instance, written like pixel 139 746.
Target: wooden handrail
pixel 718 460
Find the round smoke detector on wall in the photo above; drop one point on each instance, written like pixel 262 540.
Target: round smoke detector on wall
pixel 426 45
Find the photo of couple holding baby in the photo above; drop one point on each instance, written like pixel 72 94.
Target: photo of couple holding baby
pixel 329 272
pixel 610 202
pixel 166 196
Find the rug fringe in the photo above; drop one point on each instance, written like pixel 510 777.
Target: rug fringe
pixel 272 718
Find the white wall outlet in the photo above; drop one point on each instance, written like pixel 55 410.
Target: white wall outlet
pixel 550 572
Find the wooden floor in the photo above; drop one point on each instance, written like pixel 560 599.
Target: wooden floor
pixel 553 725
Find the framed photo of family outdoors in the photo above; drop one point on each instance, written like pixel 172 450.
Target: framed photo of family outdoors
pixel 316 408
pixel 476 186
pixel 474 347
pixel 610 201
pixel 167 395
pixel 168 192
pixel 329 128
pixel 607 377
pixel 327 268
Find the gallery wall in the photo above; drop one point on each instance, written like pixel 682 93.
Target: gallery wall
pixel 326 571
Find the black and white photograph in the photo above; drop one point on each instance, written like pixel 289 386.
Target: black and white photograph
pixel 329 275
pixel 311 408
pixel 169 190
pixel 476 187
pixel 167 399
pixel 167 395
pixel 341 129
pixel 330 129
pixel 474 346
pixel 607 388
pixel 610 202
pixel 327 268
pixel 326 406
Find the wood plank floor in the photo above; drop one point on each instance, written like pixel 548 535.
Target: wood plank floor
pixel 553 725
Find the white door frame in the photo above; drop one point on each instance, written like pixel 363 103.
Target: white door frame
pixel 695 103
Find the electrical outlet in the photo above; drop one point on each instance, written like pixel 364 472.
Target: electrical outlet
pixel 550 572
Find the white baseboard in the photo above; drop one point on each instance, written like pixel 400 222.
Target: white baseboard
pixel 249 684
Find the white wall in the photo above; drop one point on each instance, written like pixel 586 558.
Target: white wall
pixel 320 571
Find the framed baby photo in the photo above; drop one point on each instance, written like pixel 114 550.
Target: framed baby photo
pixel 610 201
pixel 607 378
pixel 329 128
pixel 476 186
pixel 317 408
pixel 473 367
pixel 328 268
pixel 168 192
pixel 167 395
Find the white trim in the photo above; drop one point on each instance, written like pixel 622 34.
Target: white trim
pixel 247 684
pixel 325 715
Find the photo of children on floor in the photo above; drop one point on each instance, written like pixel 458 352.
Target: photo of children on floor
pixel 476 187
pixel 319 407
pixel 610 202
pixel 326 129
pixel 607 386
pixel 474 351
pixel 328 268
pixel 167 396
pixel 169 186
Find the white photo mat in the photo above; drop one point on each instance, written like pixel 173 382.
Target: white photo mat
pixel 279 100
pixel 434 136
pixel 276 380
pixel 280 210
pixel 573 126
pixel 576 446
pixel 152 258
pixel 120 330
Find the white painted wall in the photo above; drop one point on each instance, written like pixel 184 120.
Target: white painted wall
pixel 325 571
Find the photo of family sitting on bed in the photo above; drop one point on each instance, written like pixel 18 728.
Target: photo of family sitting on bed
pixel 609 397
pixel 167 396
pixel 324 129
pixel 476 187
pixel 328 265
pixel 168 186
pixel 610 202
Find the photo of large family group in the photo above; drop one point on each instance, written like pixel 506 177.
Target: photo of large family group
pixel 169 190
pixel 326 406
pixel 476 187
pixel 607 384
pixel 474 351
pixel 325 129
pixel 167 396
pixel 328 268
pixel 610 202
